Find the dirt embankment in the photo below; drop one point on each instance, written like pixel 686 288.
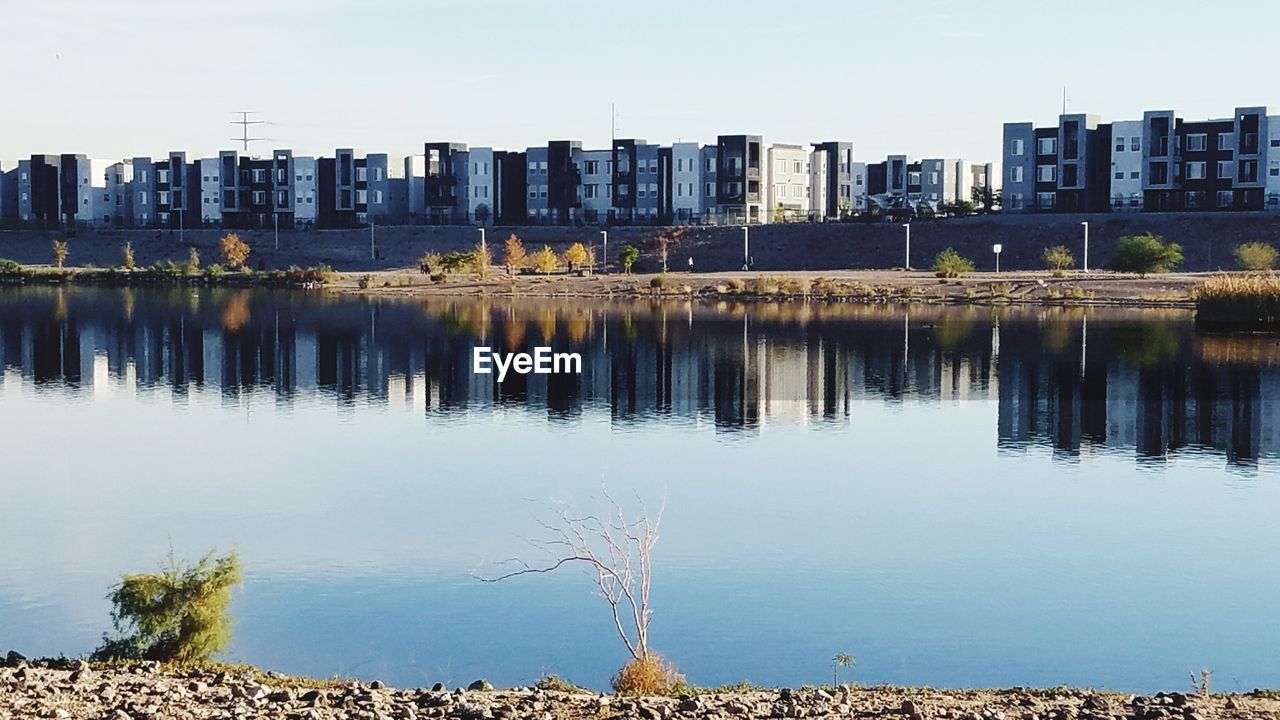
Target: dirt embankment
pixel 74 690
pixel 1207 240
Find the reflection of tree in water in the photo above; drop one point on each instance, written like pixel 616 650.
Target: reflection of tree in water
pixel 1145 344
pixel 953 332
pixel 235 314
pixel 576 325
pixel 547 324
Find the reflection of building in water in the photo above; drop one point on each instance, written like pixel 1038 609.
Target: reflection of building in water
pixel 1145 386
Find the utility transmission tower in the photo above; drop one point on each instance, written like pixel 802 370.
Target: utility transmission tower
pixel 244 122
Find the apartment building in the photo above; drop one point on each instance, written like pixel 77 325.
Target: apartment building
pixel 832 190
pixel 684 195
pixel 256 192
pixel 788 187
pixel 596 170
pixel 210 190
pixel 740 197
pixel 306 200
pixel 1161 163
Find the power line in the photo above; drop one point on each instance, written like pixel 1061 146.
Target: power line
pixel 244 122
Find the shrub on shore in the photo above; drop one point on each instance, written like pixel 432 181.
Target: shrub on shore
pixel 648 674
pixel 1059 259
pixel 127 260
pixel 1235 302
pixel 60 253
pixel 628 257
pixel 951 264
pixel 545 260
pixel 176 615
pixel 513 254
pixel 481 260
pixel 10 267
pixel 235 252
pixel 1146 253
pixel 1257 256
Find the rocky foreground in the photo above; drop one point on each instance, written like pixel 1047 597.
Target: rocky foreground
pixel 75 689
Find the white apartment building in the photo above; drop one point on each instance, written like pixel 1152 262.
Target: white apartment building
pixel 210 191
pixel 595 167
pixel 1271 192
pixel 306 205
pixel 1126 165
pixel 788 186
pixel 686 181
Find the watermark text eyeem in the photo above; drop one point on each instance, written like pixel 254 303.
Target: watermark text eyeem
pixel 542 362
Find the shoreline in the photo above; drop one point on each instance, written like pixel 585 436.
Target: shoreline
pixel 75 690
pixel 1099 288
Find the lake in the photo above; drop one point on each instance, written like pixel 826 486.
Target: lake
pixel 955 496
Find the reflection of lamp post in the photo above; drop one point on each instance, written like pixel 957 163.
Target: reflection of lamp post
pixel 1086 245
pixel 996 249
pixel 908 255
pixel 604 256
pixel 746 248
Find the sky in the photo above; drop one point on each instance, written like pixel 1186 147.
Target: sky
pixel 923 77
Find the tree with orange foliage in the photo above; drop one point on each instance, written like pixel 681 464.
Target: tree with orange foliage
pixel 234 250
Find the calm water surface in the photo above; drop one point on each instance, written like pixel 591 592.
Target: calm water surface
pixel 958 497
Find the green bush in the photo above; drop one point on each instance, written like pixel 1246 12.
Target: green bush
pixel 456 262
pixel 1257 256
pixel 176 615
pixel 658 282
pixel 950 264
pixel 1059 259
pixel 1146 253
pixel 10 267
pixel 365 281
pixel 628 257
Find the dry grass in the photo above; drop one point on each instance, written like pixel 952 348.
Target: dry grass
pixel 647 675
pixel 1243 302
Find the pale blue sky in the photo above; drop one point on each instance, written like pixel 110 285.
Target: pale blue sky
pixel 925 77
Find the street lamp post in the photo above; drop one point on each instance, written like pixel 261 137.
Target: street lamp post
pixel 604 255
pixel 746 248
pixel 483 246
pixel 908 254
pixel 1086 245
pixel 373 254
pixel 996 249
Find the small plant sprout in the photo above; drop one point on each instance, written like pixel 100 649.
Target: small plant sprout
pixel 844 660
pixel 1201 686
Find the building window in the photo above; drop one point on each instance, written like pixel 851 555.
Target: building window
pixel 259 175
pixel 1248 171
pixel 1046 173
pixel 1015 174
pixel 282 199
pixel 1016 147
pixel 533 167
pixel 1197 142
pixel 1046 200
pixel 362 197
pixel 1158 173
pixel 377 197
pixel 710 190
pixel 1195 170
pixel 533 192
pixel 362 174
pixel 1225 169
pixel 711 164
pixel 1226 140
pixel 377 174
pixel 142 198
pixel 1226 198
pixel 259 197
pixel 1120 175
pixel 1135 175
pixel 1120 149
pixel 542 167
pixel 593 167
pixel 1047 146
